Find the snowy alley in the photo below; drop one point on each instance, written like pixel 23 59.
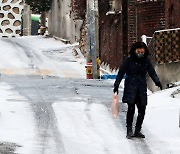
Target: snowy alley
pixel 48 107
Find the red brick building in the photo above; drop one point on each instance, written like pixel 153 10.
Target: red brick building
pixel 150 17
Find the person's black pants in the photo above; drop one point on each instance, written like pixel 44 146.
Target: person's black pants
pixel 131 110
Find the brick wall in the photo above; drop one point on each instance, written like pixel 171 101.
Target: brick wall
pixel 150 17
pixel 141 17
pixel 78 8
pixel 125 28
pixel 132 24
pixel 110 35
pixel 172 13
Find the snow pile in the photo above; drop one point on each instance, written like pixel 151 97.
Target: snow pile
pixel 162 122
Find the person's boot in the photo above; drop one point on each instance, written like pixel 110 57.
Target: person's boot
pixel 129 133
pixel 138 133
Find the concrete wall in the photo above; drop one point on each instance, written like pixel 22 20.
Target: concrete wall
pixel 165 56
pixel 61 23
pixel 168 73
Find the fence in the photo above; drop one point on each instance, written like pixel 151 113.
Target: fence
pixel 10 18
pixel 165 46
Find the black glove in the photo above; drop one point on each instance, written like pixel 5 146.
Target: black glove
pixel 115 89
pixel 159 85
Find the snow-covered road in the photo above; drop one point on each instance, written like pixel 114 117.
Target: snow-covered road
pixel 37 56
pixel 47 106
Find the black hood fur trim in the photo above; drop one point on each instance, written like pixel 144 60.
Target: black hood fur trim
pixel 136 46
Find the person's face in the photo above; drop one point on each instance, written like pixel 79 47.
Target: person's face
pixel 140 52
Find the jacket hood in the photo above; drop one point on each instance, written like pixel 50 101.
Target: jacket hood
pixel 136 46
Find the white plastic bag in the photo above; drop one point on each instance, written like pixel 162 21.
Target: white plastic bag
pixel 115 105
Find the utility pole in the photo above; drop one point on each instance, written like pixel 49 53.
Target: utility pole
pixel 93 36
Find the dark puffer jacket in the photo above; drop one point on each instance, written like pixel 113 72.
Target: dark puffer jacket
pixel 135 70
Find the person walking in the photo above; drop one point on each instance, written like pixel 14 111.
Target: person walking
pixel 135 67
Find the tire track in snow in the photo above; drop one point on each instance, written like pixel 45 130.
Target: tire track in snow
pixel 49 138
pixel 27 50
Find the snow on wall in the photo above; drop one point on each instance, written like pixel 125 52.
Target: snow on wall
pixel 10 17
